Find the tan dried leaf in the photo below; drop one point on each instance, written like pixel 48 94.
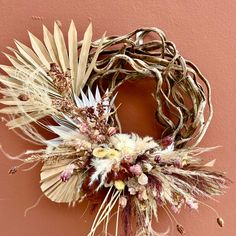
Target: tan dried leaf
pixel 83 59
pixel 54 188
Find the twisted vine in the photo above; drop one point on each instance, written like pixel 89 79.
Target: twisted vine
pixel 182 93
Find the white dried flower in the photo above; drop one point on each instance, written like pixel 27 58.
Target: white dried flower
pixel 143 179
pixel 124 143
pixel 132 191
pixel 147 167
pixel 123 201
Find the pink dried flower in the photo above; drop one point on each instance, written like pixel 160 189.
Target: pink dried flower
pixel 175 209
pixel 178 164
pixel 112 130
pixel 123 201
pixel 157 159
pixel 67 173
pixel 84 128
pixel 192 203
pixel 100 138
pixel 136 169
pixel 166 141
pixel 132 191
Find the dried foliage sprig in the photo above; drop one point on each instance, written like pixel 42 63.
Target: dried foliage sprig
pixel 76 86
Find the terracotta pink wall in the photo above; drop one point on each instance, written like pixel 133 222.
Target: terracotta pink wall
pixel 204 32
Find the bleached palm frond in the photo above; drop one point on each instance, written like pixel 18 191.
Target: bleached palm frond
pixel 93 100
pixel 29 74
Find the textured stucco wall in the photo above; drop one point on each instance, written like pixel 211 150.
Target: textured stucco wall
pixel 204 32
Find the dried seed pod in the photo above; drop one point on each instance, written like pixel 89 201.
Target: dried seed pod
pixel 220 222
pixel 13 170
pixel 180 229
pixel 23 97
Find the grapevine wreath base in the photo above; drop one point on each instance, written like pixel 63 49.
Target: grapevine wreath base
pixel 70 91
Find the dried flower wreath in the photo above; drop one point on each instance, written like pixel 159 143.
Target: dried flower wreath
pixel 76 87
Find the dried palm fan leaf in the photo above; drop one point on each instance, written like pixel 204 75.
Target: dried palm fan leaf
pixel 54 188
pixel 76 87
pixel 30 71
